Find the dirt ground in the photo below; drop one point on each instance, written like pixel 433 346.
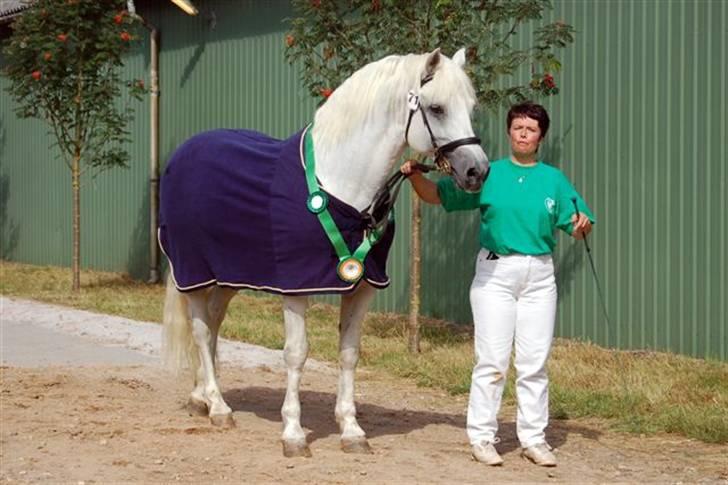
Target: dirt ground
pixel 105 424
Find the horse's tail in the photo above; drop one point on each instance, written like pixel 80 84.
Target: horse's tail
pixel 178 346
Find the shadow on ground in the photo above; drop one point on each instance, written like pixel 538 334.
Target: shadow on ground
pixel 317 414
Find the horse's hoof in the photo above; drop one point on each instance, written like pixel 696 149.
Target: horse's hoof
pixel 223 420
pixel 196 407
pixel 356 445
pixel 292 449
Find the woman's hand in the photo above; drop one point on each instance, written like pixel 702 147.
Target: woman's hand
pixel 409 168
pixel 582 226
pixel 425 188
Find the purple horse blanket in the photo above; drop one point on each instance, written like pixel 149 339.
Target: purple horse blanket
pixel 233 213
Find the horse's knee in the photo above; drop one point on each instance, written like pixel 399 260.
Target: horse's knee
pixel 348 358
pixel 295 357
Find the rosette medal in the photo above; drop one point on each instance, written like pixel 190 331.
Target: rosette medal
pixel 350 269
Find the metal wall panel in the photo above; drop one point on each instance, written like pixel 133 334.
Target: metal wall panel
pixel 35 210
pixel 644 102
pixel 639 127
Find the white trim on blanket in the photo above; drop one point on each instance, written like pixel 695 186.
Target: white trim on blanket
pixel 214 281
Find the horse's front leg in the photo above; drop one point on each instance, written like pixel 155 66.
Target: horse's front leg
pixel 353 309
pixel 204 333
pixel 294 354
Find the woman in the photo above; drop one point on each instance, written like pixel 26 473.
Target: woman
pixel 513 294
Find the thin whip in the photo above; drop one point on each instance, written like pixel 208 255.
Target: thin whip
pixel 593 268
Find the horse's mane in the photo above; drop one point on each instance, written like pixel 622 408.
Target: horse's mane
pixel 382 86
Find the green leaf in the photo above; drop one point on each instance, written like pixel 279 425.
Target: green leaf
pixel 358 34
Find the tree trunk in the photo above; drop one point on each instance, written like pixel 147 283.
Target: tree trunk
pixel 76 187
pixel 413 325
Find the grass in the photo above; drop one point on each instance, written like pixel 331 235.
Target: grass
pixel 639 392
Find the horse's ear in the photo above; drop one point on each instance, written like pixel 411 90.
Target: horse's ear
pixel 433 60
pixel 459 58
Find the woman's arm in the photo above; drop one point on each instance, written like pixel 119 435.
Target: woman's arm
pixel 425 188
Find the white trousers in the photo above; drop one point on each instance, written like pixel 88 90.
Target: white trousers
pixel 514 296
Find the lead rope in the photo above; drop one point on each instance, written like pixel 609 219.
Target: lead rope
pixel 378 214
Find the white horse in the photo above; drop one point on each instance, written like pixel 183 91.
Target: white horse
pixel 359 134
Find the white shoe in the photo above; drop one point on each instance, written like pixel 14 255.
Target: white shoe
pixel 485 452
pixel 540 454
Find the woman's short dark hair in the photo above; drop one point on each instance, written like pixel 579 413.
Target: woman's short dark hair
pixel 531 110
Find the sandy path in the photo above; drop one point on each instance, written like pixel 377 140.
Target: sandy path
pixel 108 422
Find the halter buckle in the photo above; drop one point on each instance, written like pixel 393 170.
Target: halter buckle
pixel 443 164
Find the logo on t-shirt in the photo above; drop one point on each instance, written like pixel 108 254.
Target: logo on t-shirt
pixel 550 204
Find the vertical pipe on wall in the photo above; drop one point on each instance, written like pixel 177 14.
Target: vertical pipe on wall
pixel 153 143
pixel 154 157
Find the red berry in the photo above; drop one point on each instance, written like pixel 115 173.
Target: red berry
pixel 548 81
pixel 326 92
pixel 315 3
pixel 290 40
pixel 125 36
pixel 35 75
pixel 47 56
pixel 62 37
pixel 118 18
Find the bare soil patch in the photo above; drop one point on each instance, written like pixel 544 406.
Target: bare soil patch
pixel 126 424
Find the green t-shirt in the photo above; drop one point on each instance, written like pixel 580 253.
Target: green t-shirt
pixel 520 207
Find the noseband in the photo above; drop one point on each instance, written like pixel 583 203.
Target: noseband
pixel 440 158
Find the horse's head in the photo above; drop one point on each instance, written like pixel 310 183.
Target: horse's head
pixel 445 100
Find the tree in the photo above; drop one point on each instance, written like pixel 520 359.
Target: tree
pixel 63 63
pixel 333 38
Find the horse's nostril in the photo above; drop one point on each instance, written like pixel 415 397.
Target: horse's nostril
pixel 472 173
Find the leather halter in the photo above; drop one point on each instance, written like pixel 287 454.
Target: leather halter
pixel 440 158
pixel 377 214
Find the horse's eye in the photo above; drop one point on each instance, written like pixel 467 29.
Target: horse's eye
pixel 437 109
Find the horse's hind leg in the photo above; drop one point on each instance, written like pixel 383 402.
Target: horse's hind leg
pixel 217 304
pixel 204 333
pixel 353 309
pixel 294 354
pixel 218 298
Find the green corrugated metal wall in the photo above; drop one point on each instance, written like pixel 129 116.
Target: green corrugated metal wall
pixel 35 197
pixel 639 127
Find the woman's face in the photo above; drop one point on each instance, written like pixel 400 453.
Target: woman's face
pixel 525 136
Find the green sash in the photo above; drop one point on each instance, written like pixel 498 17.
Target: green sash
pixel 350 267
